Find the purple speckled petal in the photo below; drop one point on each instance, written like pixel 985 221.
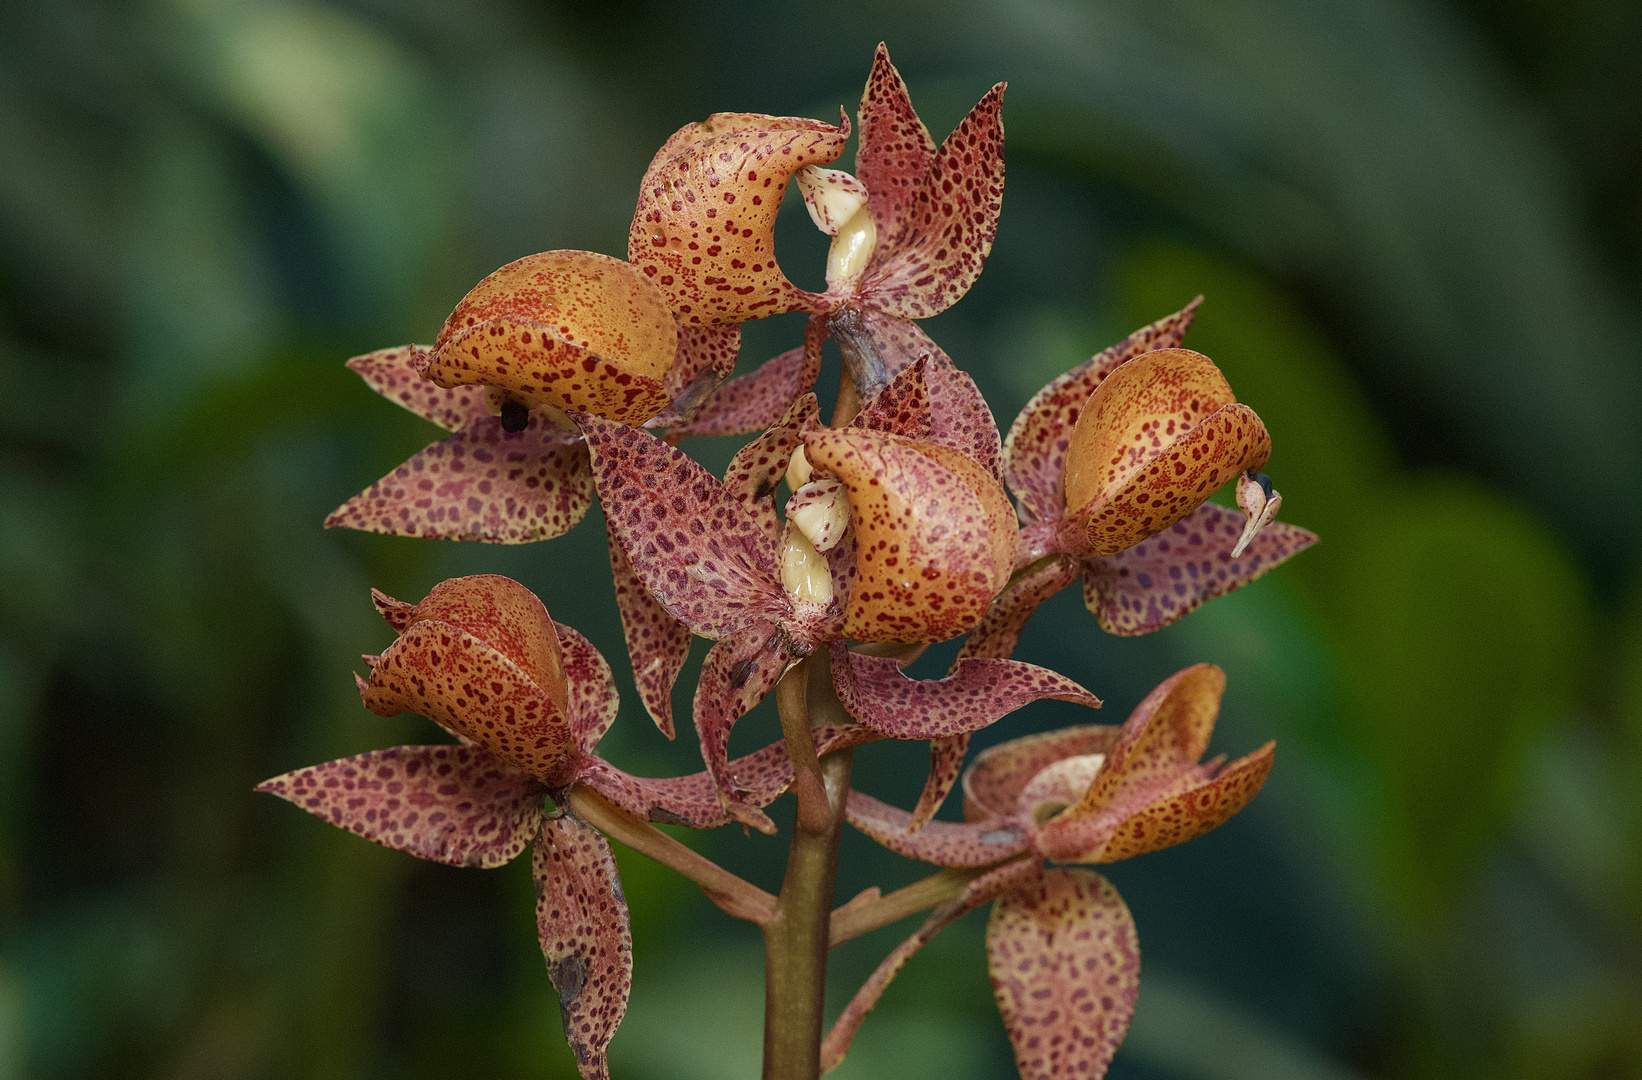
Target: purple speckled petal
pixel 738 673
pixel 1150 585
pixel 481 483
pixel 990 885
pixel 693 800
pixel 458 805
pixel 901 407
pixel 759 399
pixel 586 936
pixel 755 472
pixel 943 843
pixel 944 233
pixel 1000 773
pixel 701 348
pixel 589 686
pixel 1039 437
pixel 1065 962
pixel 978 692
pixel 396 374
pixel 703 555
pixel 895 152
pixel 657 643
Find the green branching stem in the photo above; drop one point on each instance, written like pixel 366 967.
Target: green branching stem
pixel 735 895
pixel 796 940
pixel 872 909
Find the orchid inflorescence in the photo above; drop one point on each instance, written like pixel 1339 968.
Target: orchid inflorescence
pixel 571 375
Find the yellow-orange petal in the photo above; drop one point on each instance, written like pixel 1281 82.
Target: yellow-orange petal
pixel 704 229
pixel 935 534
pixel 1159 436
pixel 506 616
pixel 576 330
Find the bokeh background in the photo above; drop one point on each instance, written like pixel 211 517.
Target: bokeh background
pixel 1418 226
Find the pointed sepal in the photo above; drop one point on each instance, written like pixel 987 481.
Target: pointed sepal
pixel 657 643
pixel 1160 579
pixel 758 400
pixel 895 151
pixel 943 843
pixel 396 374
pixel 1065 962
pixel 482 483
pixel 738 673
pixel 586 936
pixel 755 473
pixel 457 805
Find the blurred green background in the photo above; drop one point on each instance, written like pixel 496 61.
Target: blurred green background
pixel 1418 225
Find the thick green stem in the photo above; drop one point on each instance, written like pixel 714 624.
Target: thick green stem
pixel 796 940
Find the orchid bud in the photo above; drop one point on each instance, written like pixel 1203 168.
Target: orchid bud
pixel 1257 499
pixel 573 330
pixel 935 534
pixel 481 656
pixel 1159 436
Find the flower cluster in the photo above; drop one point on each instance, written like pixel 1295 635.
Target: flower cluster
pixel 571 375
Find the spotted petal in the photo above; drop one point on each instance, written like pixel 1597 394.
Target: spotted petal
pixel 995 780
pixel 1038 439
pixel 738 673
pixel 943 843
pixel 703 348
pixel 978 692
pixel 943 235
pixel 759 399
pixel 895 151
pixel 482 483
pixel 458 805
pixel 693 800
pixel 396 374
pixel 901 407
pixel 704 227
pixel 593 702
pixel 1150 585
pixel 1065 963
pixel 990 885
pixel 586 936
pixel 657 643
pixel 704 556
pixel 755 473
pixel 1164 737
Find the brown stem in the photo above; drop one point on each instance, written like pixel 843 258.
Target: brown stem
pixel 735 895
pixel 861 357
pixel 869 911
pixel 796 940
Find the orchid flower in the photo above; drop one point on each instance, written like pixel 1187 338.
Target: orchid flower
pixel 715 560
pixel 529 698
pixel 1061 945
pixel 1112 464
pixel 911 230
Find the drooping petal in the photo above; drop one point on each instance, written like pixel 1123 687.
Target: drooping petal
pixel 704 229
pixel 483 483
pixel 458 805
pixel 1000 773
pixel 396 374
pixel 759 399
pixel 738 673
pixel 935 534
pixel 1160 435
pixel 1065 964
pixel 576 330
pixel 978 692
pixel 989 886
pixel 586 936
pixel 593 702
pixel 706 559
pixel 943 843
pixel 1039 437
pixel 755 473
pixel 693 800
pixel 946 762
pixel 895 151
pixel 944 233
pixel 460 682
pixel 657 643
pixel 1139 820
pixel 1161 742
pixel 1152 584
